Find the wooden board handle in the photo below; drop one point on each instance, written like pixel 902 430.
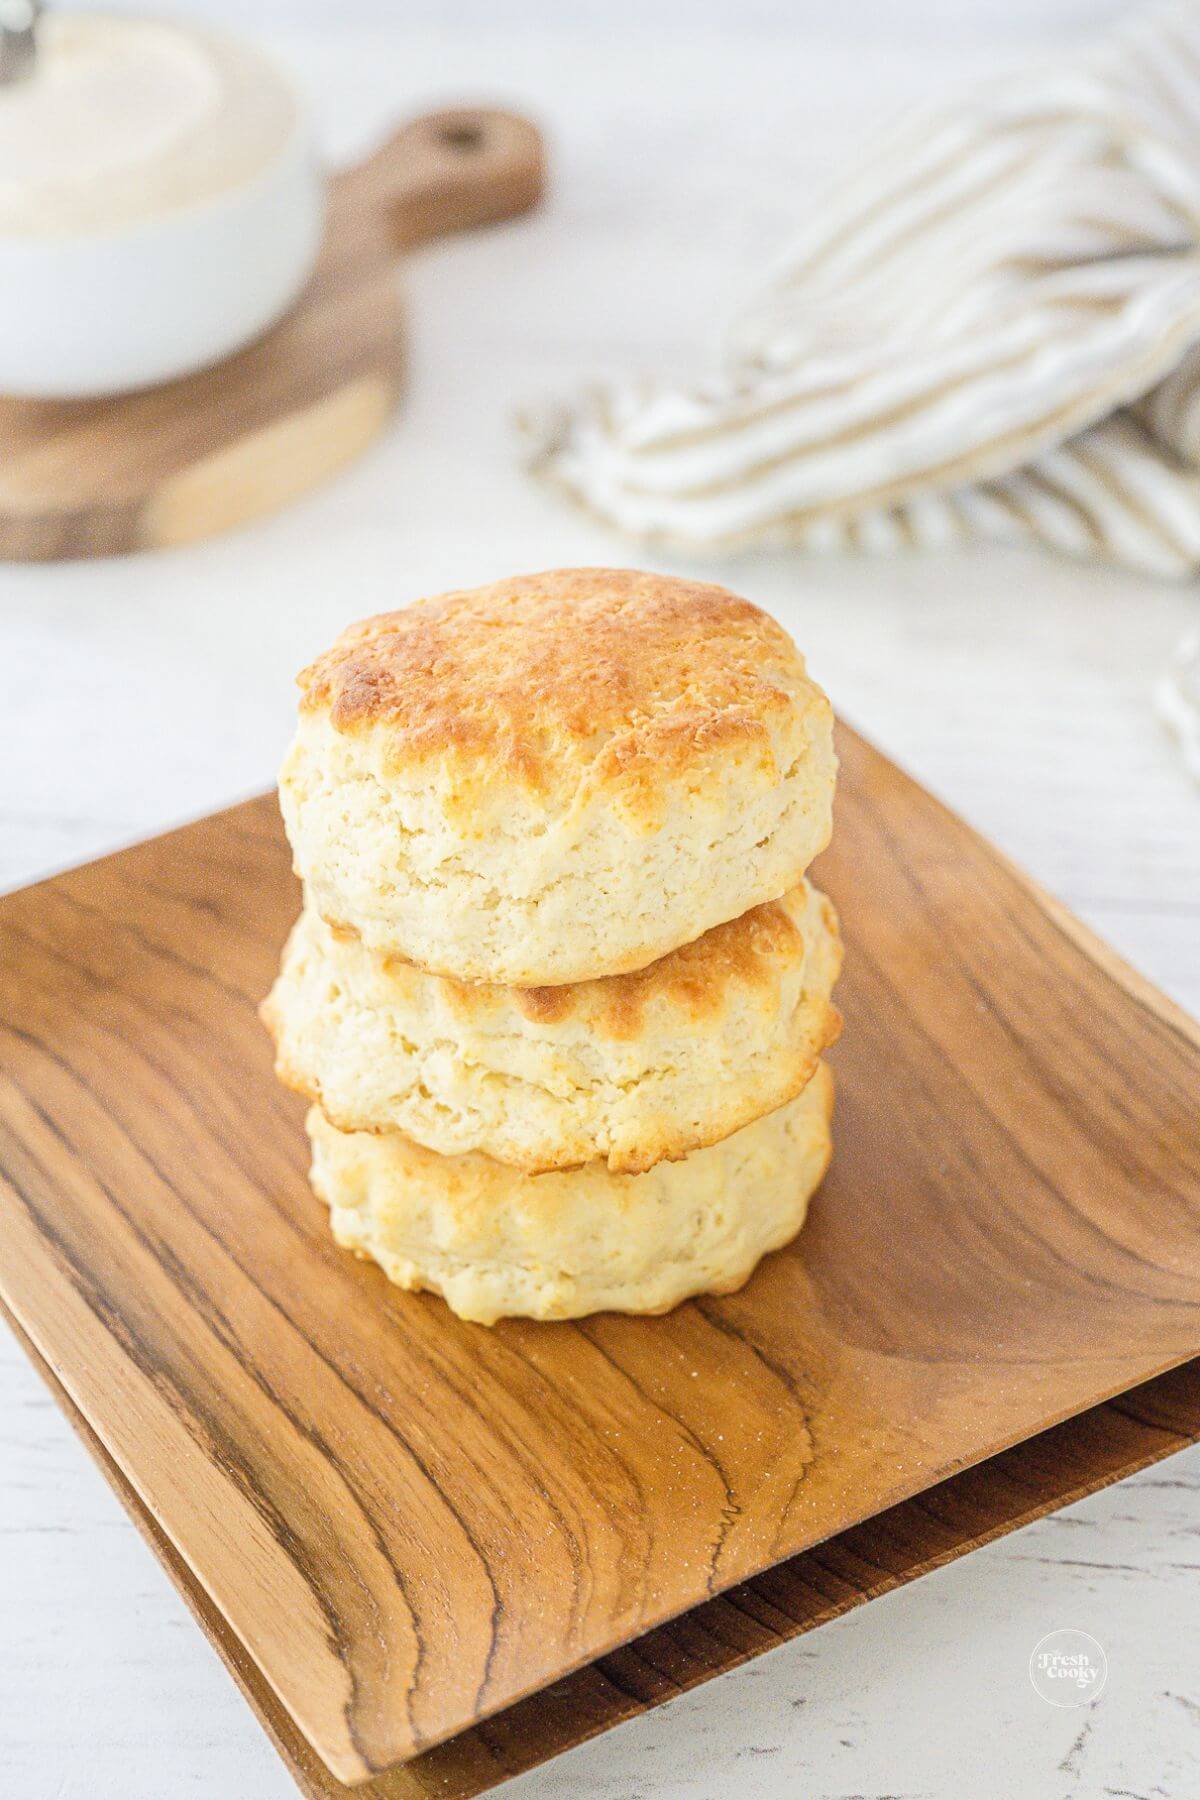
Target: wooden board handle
pixel 444 172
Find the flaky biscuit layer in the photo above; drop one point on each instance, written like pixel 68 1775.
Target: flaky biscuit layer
pixel 630 1069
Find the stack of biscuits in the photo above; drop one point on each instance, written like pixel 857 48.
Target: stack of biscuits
pixel 559 990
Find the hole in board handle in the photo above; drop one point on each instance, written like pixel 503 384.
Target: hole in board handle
pixel 462 137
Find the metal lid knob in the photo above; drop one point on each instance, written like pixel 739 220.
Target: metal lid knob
pixel 18 39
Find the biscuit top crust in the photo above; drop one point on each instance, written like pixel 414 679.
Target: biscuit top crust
pixel 544 679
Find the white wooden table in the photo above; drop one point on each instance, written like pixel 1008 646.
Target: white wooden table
pixel 136 694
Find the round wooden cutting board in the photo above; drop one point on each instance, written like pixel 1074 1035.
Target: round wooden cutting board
pixel 196 456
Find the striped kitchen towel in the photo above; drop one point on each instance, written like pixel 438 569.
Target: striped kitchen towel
pixel 990 330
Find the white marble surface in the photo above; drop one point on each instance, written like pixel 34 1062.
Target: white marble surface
pixel 135 694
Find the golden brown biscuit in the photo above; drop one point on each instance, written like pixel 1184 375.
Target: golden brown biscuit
pixel 559 777
pixel 497 1243
pixel 630 1069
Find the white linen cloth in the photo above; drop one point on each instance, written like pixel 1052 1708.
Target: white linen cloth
pixel 989 330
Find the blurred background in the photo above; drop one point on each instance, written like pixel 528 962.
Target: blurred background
pixel 684 147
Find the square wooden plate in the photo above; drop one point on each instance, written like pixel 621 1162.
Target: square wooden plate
pixel 403 1523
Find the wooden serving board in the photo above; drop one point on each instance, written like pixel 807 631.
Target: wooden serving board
pixel 1061 1465
pixel 397 1524
pixel 197 456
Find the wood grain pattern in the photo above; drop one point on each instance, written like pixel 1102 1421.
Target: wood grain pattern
pixel 196 456
pixel 409 1522
pixel 1059 1466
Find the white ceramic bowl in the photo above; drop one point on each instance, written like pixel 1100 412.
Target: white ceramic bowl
pixel 85 314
